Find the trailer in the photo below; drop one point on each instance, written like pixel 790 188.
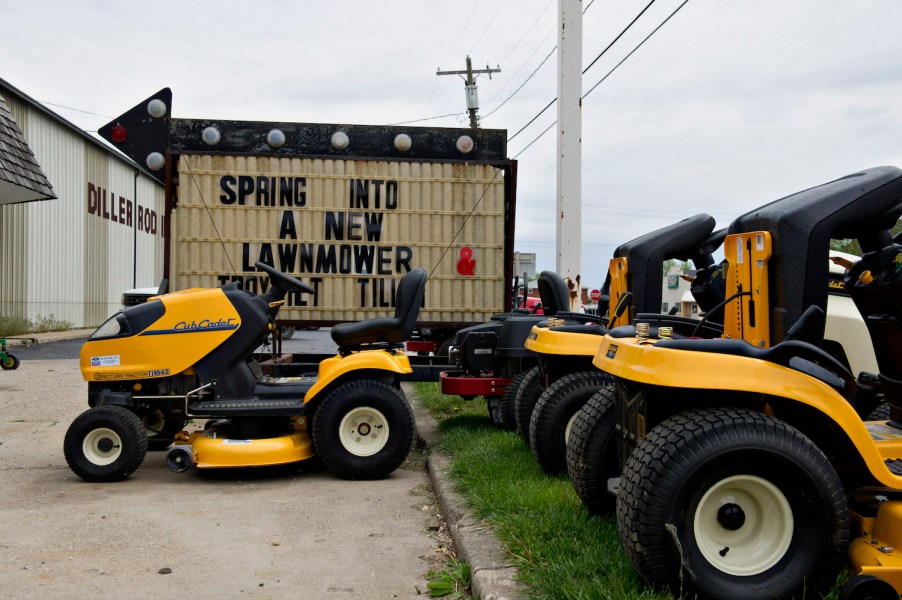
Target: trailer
pixel 348 208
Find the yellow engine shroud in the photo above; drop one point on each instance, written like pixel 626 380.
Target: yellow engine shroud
pixel 195 322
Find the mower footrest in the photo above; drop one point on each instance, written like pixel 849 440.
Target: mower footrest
pixel 248 408
pixel 894 465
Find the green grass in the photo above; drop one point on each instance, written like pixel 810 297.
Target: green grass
pixel 17 325
pixel 561 551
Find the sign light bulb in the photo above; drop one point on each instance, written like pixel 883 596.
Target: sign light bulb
pixel 118 133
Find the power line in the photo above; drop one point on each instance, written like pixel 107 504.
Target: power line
pixel 547 106
pixel 637 47
pixel 597 84
pixel 457 114
pixel 625 29
pixel 492 20
pixel 467 24
pixel 75 109
pixel 521 85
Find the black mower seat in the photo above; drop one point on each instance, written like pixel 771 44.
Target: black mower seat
pixel 386 330
pixel 554 293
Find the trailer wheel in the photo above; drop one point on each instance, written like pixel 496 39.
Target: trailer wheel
pixel 592 452
pixel 552 418
pixel 525 400
pixel 287 332
pixel 502 410
pixel 730 503
pixel 106 443
pixel 160 430
pixel 10 362
pixel 363 429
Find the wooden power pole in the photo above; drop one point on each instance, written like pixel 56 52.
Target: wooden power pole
pixel 470 83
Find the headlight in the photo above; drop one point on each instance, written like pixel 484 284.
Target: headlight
pixel 115 326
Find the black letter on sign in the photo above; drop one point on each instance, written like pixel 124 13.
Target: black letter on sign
pixel 288 230
pixel 226 183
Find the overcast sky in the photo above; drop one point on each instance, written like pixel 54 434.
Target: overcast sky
pixel 728 106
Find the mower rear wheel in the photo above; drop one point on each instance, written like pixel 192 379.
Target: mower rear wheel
pixel 552 418
pixel 502 409
pixel 363 429
pixel 527 395
pixel 10 362
pixel 160 430
pixel 731 503
pixel 592 452
pixel 106 443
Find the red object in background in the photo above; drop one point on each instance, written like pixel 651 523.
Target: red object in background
pixel 532 304
pixel 595 296
pixel 466 263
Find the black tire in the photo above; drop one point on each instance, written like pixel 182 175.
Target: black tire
pixel 880 413
pixel 10 363
pixel 160 429
pixel 555 411
pixel 287 332
pixel 744 481
pixel 106 443
pixel 592 452
pixel 528 393
pixel 502 409
pixel 445 349
pixel 340 441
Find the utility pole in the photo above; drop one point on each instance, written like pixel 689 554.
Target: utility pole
pixel 569 123
pixel 471 90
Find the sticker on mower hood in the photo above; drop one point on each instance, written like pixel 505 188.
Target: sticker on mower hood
pixel 105 361
pixel 215 324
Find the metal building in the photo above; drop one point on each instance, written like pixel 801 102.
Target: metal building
pixel 71 258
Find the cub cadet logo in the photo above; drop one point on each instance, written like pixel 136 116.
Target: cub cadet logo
pixel 204 325
pixel 219 324
pixel 837 285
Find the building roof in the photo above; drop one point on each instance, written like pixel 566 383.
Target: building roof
pixel 21 177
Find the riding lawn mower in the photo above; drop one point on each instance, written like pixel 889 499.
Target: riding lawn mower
pixel 187 355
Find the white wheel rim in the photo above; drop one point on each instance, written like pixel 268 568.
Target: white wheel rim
pixel 95 446
pixel 363 431
pixel 762 538
pixel 569 427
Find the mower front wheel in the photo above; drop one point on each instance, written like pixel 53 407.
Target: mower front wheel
pixel 527 395
pixel 731 503
pixel 553 415
pixel 363 429
pixel 10 362
pixel 106 443
pixel 502 409
pixel 592 452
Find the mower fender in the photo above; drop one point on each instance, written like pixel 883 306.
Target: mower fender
pixel 642 362
pixel 875 551
pixel 544 340
pixel 332 369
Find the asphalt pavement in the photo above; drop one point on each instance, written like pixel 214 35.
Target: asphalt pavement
pixel 259 533
pixel 298 533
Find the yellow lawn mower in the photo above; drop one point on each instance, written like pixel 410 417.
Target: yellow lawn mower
pixel 748 471
pixel 188 355
pixel 552 394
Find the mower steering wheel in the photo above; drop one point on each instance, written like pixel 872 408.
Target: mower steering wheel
pixel 283 281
